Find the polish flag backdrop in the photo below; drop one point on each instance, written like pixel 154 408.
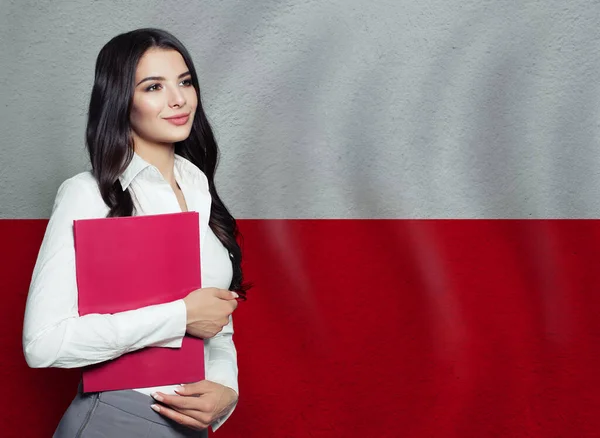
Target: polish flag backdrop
pixel 417 186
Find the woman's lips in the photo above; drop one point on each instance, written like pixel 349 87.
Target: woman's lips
pixel 178 120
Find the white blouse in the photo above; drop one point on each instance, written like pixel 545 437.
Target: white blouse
pixel 54 335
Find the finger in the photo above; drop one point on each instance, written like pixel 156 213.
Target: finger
pixel 179 417
pixel 184 402
pixel 225 294
pixel 230 306
pixel 202 417
pixel 195 388
pixel 180 402
pixel 196 408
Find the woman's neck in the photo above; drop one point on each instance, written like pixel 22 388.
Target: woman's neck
pixel 161 156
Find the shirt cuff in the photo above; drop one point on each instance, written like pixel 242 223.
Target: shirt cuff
pixel 176 324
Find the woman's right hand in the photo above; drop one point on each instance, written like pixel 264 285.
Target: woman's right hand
pixel 208 311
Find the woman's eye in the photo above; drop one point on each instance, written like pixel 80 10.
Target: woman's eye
pixel 186 82
pixel 153 87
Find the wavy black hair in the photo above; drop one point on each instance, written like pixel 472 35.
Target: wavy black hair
pixel 110 143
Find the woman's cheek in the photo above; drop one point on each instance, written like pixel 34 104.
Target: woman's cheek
pixel 151 107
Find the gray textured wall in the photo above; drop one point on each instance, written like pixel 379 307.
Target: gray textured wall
pixel 340 108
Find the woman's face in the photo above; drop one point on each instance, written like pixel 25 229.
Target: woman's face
pixel 164 100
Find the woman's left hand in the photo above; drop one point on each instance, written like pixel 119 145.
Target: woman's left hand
pixel 198 405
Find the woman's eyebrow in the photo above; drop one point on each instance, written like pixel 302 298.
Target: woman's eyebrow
pixel 161 78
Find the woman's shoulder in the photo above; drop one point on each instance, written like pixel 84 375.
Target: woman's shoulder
pixel 83 183
pixel 80 191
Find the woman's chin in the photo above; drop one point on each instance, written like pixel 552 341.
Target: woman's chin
pixel 167 140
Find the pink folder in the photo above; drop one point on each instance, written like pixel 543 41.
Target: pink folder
pixel 127 263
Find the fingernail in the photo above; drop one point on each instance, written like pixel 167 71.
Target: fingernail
pixel 235 295
pixel 179 389
pixel 157 397
pixel 155 407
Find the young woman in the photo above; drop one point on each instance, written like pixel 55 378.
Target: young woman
pixel 152 151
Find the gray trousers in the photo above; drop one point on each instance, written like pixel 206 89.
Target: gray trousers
pixel 116 414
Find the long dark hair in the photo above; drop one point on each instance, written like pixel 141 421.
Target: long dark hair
pixel 110 144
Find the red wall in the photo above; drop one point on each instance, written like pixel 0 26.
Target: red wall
pixel 456 328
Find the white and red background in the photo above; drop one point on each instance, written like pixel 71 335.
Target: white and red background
pixel 417 184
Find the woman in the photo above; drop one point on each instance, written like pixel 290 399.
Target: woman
pixel 152 151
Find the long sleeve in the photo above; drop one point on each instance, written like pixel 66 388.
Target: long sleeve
pixel 222 364
pixel 54 335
